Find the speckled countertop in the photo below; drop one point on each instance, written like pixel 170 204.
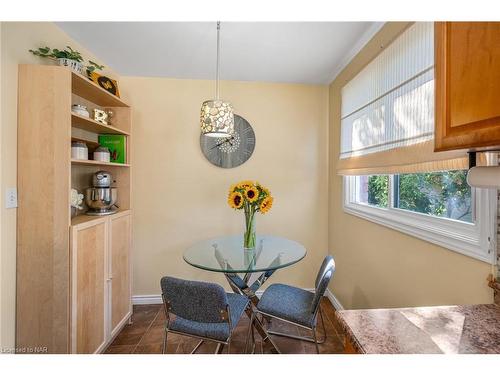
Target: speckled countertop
pixel 438 329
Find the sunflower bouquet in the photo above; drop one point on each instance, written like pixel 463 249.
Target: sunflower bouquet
pixel 251 197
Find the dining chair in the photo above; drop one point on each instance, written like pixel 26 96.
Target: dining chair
pixel 296 306
pixel 201 310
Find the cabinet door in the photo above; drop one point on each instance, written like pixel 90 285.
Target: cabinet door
pixel 120 271
pixel 88 287
pixel 467 73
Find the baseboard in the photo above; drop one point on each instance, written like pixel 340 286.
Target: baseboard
pixel 148 299
pixel 335 302
pixel 155 299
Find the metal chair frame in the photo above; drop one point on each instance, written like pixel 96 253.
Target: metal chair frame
pixel 225 316
pixel 313 330
pixel 323 272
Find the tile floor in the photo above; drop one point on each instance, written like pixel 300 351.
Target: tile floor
pixel 145 335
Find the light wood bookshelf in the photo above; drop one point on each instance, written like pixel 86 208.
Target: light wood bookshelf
pixel 45 313
pixel 98 163
pixel 85 88
pixel 93 126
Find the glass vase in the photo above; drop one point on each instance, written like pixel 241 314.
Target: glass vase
pixel 249 236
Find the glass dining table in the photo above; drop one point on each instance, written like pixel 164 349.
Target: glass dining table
pixel 246 270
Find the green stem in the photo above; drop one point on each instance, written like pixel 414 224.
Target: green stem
pixel 249 237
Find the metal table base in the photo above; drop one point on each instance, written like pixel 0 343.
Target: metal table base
pixel 240 285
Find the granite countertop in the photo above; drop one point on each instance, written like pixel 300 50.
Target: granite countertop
pixel 419 330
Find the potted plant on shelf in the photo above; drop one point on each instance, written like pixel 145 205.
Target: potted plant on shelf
pixel 68 57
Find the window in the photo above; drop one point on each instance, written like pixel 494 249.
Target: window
pixel 392 176
pixel 438 207
pixel 390 103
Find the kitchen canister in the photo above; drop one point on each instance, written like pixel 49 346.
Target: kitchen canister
pixel 79 151
pixel 102 154
pixel 80 110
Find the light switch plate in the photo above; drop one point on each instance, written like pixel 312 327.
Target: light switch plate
pixel 11 198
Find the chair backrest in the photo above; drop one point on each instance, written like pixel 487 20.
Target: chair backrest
pixel 194 300
pixel 324 276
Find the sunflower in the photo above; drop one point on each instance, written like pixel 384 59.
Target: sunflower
pixel 235 200
pixel 245 184
pixel 266 204
pixel 233 188
pixel 266 191
pixel 252 194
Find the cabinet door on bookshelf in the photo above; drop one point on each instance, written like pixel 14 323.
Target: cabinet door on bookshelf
pixel 120 270
pixel 89 287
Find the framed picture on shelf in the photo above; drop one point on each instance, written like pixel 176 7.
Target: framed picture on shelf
pixel 106 83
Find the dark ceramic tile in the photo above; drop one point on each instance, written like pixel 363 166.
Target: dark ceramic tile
pixel 241 330
pixel 267 347
pixel 127 339
pixel 145 335
pixel 154 335
pixel 187 344
pixel 135 328
pixel 120 349
pixel 153 349
pixel 160 317
pixel 209 348
pixel 145 313
pixel 237 347
pixel 145 308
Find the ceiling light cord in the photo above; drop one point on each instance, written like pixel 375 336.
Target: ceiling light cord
pixel 217 73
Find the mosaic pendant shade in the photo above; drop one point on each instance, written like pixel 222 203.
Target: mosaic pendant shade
pixel 217 116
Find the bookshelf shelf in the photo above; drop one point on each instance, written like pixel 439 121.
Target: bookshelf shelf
pixel 93 126
pixel 96 162
pixel 87 89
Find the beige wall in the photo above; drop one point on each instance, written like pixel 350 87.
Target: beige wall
pixel 180 198
pixel 380 267
pixel 1 187
pixel 16 39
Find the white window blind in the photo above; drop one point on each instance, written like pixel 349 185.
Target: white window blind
pixel 390 103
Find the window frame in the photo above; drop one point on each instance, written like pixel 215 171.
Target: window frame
pixel 476 240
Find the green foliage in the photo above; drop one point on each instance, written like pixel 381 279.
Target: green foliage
pixel 444 194
pixel 93 66
pixel 68 53
pixel 378 190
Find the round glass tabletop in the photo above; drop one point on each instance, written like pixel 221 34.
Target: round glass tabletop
pixel 226 254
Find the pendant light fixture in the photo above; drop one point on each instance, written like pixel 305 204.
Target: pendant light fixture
pixel 217 118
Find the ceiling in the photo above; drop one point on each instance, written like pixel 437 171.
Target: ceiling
pixel 292 52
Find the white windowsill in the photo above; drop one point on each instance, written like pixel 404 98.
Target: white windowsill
pixel 465 238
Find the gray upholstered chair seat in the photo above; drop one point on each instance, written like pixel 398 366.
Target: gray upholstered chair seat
pixel 217 331
pixel 297 306
pixel 289 303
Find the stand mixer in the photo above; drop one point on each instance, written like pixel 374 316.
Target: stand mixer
pixel 101 197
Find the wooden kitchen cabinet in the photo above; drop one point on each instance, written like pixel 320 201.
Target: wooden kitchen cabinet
pixel 100 284
pixel 88 256
pixel 120 236
pixel 467 77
